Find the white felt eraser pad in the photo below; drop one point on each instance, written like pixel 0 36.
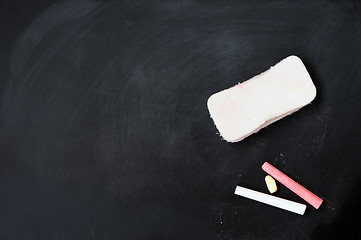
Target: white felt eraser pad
pixel 249 106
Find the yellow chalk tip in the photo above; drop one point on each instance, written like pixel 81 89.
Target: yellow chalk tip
pixel 271 184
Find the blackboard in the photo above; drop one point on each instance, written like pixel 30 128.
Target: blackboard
pixel 105 132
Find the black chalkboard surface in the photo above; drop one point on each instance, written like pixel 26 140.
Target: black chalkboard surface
pixel 105 132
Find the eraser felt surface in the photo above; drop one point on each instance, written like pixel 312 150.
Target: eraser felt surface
pixel 292 185
pixel 249 106
pixel 271 200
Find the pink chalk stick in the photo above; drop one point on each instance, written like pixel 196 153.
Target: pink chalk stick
pixel 292 185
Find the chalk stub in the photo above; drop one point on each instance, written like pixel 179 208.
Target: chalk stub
pixel 271 184
pixel 252 105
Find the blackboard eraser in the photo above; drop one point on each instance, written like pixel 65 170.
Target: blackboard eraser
pixel 252 105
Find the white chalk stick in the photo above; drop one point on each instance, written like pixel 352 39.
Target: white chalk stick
pixel 271 200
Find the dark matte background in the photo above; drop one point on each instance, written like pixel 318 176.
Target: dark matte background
pixel 105 133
